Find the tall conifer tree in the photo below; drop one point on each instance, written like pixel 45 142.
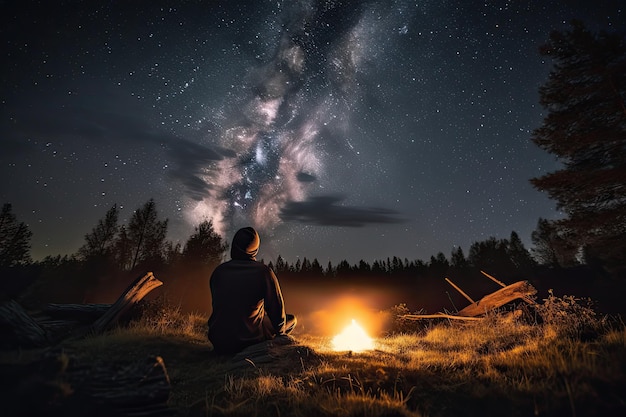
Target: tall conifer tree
pixel 585 127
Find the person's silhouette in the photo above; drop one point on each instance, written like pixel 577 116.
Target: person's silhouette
pixel 247 301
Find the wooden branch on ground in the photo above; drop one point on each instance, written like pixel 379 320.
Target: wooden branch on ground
pixel 519 290
pixel 437 316
pixel 460 291
pixel 21 328
pixel 133 294
pixel 493 279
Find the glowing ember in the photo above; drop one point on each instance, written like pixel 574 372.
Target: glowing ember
pixel 353 338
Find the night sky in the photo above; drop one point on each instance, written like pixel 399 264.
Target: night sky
pixel 339 129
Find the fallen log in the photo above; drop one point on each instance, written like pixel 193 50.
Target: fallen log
pixel 57 330
pixel 76 312
pixel 18 328
pixel 519 290
pixel 61 320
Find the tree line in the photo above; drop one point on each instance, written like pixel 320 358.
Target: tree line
pixel 112 253
pixel 142 243
pixel 506 255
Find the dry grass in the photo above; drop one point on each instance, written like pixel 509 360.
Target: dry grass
pixel 568 362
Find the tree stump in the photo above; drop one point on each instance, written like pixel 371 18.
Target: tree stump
pixel 133 294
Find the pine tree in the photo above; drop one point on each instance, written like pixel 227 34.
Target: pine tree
pixel 518 254
pixel 101 240
pixel 330 270
pixel 14 239
pixel 343 268
pixel 205 246
pixel 123 251
pixel 550 248
pixel 364 267
pixel 146 235
pixel 438 265
pixel 280 265
pixel 585 127
pixel 457 259
pixel 316 268
pixel 172 253
pixel 378 268
pixel 490 255
pixel 297 267
pixel 305 268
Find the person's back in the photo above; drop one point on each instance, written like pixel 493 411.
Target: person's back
pixel 247 302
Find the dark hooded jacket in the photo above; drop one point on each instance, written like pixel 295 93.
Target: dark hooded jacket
pixel 247 301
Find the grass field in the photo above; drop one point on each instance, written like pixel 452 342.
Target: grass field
pixel 560 360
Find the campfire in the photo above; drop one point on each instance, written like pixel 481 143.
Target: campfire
pixel 352 338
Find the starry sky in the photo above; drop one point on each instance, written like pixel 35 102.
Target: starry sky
pixel 339 129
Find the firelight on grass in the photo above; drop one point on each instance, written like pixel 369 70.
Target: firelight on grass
pixel 353 338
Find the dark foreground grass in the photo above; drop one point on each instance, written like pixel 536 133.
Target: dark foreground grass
pixel 572 364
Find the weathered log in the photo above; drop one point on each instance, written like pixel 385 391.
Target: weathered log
pixel 77 312
pixel 519 290
pixel 61 320
pixel 58 329
pixel 529 300
pixel 133 294
pixel 18 328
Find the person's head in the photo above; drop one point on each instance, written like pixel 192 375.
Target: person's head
pixel 245 244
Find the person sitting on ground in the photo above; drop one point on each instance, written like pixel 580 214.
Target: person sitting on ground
pixel 247 301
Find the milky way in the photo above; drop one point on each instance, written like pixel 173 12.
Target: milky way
pixel 305 92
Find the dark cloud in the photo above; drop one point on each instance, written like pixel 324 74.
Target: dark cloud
pixel 304 177
pixel 192 161
pixel 324 211
pixel 115 121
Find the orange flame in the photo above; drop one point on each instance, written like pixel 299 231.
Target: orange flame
pixel 353 338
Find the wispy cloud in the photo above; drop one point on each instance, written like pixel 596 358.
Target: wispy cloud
pixel 114 122
pixel 325 211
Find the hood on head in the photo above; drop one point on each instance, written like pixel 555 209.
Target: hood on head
pixel 245 244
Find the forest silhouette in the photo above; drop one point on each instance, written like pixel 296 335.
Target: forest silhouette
pixel 113 255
